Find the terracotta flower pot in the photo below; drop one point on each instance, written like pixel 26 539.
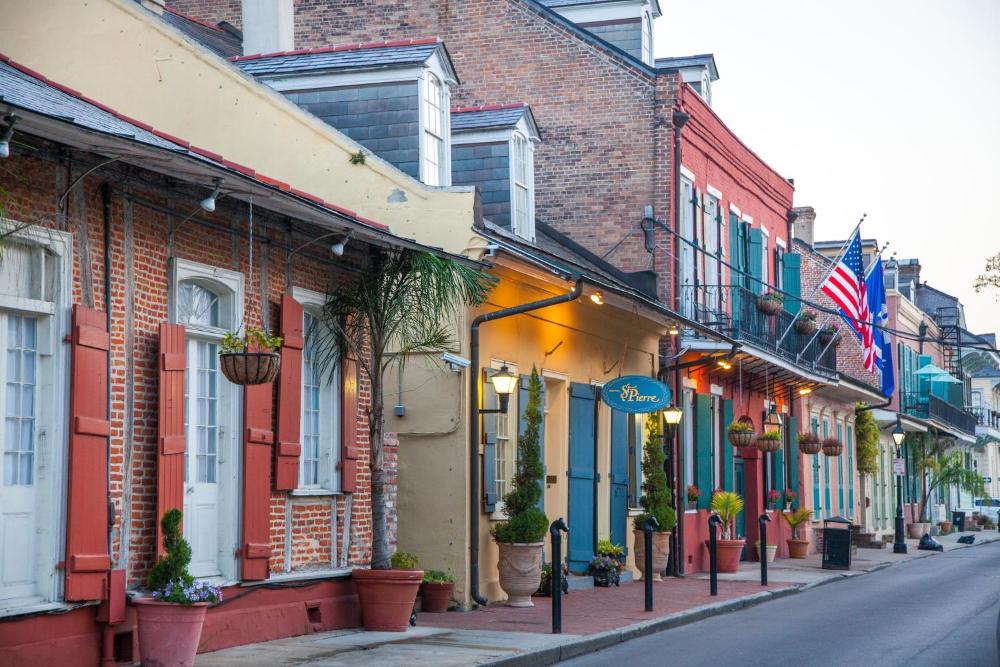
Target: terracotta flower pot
pixel 168 632
pixel 917 530
pixel 245 368
pixel 520 568
pixel 387 597
pixel 437 596
pixel 728 554
pixel 661 550
pixel 797 548
pixel 771 550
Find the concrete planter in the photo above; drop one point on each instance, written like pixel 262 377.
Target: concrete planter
pixel 661 550
pixel 520 568
pixel 772 550
pixel 917 530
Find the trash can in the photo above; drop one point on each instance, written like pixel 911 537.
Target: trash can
pixel 838 534
pixel 958 521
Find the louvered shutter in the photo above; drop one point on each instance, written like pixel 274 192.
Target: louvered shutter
pixel 257 442
pixel 727 448
pixel 170 430
pixel 792 281
pixel 350 423
pixel 703 444
pixel 736 273
pixel 755 260
pixel 793 459
pixel 87 558
pixel 489 463
pixel 778 457
pixel 286 453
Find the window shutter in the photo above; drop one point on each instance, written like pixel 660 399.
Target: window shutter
pixel 350 422
pixel 736 259
pixel 257 442
pixel 87 557
pixel 849 446
pixel 489 447
pixel 792 281
pixel 754 264
pixel 727 448
pixel 793 459
pixel 703 454
pixel 171 436
pixel 778 481
pixel 522 407
pixel 286 454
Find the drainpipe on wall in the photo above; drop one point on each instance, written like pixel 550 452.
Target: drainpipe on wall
pixel 474 481
pixel 680 119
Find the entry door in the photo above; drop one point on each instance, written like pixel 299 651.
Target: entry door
pixel 582 475
pixel 18 405
pixel 205 433
pixel 619 477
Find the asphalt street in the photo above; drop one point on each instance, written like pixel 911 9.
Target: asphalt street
pixel 929 611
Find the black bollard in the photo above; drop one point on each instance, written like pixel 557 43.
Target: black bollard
pixel 556 583
pixel 713 577
pixel 762 551
pixel 647 576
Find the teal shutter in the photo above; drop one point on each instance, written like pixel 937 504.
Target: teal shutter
pixel 754 267
pixel 850 469
pixel 840 472
pixel 490 497
pixel 727 449
pixel 791 281
pixel 827 501
pixel 816 497
pixel 793 458
pixel 703 448
pixel 778 481
pixel 522 409
pixel 736 259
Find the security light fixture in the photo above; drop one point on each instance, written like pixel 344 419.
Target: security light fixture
pixel 5 138
pixel 597 297
pixel 208 203
pixel 338 247
pixel 724 364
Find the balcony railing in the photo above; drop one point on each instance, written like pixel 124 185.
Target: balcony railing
pixel 927 406
pixel 732 310
pixel 985 417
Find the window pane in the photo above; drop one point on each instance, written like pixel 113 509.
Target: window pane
pixel 197 305
pixel 19 422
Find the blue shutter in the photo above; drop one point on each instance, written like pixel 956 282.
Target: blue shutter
pixel 816 496
pixel 619 476
pixel 736 259
pixel 826 475
pixel 727 448
pixel 581 475
pixel 489 422
pixel 522 408
pixel 792 281
pixel 703 448
pixel 778 482
pixel 840 472
pixel 793 459
pixel 754 262
pixel 850 469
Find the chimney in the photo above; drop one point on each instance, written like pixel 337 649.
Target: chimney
pixel 268 26
pixel 803 223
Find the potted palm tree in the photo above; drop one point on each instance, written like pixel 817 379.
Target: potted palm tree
pixel 520 537
pixel 941 471
pixel 656 501
pixel 170 619
pixel 797 548
pixel 400 305
pixel 727 505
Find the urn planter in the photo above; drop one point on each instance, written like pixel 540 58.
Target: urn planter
pixel 661 550
pixel 797 548
pixel 520 568
pixel 247 368
pixel 169 633
pixel 387 597
pixel 771 551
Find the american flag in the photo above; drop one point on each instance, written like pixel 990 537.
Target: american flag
pixel 846 286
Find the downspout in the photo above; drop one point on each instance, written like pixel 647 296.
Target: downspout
pixel 680 119
pixel 474 481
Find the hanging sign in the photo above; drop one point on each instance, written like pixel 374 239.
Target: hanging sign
pixel 636 394
pixel 898 466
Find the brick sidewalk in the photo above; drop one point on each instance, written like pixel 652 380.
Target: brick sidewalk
pixel 597 609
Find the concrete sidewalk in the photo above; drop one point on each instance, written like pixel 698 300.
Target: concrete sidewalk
pixel 592 619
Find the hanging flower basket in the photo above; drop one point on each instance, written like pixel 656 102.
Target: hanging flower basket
pixel 770 303
pixel 829 336
pixel 247 368
pixel 832 447
pixel 767 443
pixel 741 434
pixel 809 443
pixel 805 323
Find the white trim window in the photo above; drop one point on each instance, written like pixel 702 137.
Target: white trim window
pixel 711 236
pixel 435 130
pixel 523 187
pixel 320 423
pixel 647 38
pixel 506 445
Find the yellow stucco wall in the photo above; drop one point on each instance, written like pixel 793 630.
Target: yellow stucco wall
pixel 141 67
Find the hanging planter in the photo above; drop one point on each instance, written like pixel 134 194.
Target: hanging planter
pixel 829 335
pixel 809 443
pixel 769 442
pixel 832 447
pixel 250 359
pixel 741 433
pixel 770 303
pixel 805 323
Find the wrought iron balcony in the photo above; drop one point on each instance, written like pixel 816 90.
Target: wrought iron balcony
pixel 732 310
pixel 928 406
pixel 985 416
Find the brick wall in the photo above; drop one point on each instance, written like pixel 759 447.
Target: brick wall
pixel 145 208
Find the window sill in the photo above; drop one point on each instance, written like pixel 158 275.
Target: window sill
pixel 332 573
pixel 313 493
pixel 34 606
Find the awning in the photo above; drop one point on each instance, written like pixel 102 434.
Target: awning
pixel 937 374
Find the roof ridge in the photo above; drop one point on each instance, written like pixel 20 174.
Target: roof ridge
pixel 188 17
pixel 356 46
pixel 489 107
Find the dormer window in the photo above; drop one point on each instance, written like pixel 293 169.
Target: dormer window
pixel 647 39
pixel 435 124
pixel 625 24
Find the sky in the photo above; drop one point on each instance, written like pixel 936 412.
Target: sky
pixel 884 107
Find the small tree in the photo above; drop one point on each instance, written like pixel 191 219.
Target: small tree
pixel 948 470
pixel 402 303
pixel 657 498
pixel 867 436
pixel 990 278
pixel 525 522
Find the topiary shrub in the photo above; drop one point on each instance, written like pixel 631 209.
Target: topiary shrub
pixel 169 580
pixel 657 498
pixel 526 523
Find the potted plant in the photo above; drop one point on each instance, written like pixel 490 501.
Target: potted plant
pixel 770 303
pixel 940 470
pixel 170 619
pixel 545 587
pixel 655 501
pixel 829 335
pixel 773 498
pixel 693 494
pixel 769 552
pixel 615 551
pixel 250 359
pixel 944 527
pixel 797 548
pixel 789 499
pixel 741 433
pixel 520 537
pixel 436 591
pixel 768 441
pixel 727 505
pixel 832 447
pixel 400 304
pixel 809 443
pixel 605 570
pixel 805 323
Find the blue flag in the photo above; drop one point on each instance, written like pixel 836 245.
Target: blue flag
pixel 875 286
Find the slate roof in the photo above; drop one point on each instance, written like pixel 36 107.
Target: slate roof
pixel 215 39
pixel 343 57
pixel 573 3
pixel 493 117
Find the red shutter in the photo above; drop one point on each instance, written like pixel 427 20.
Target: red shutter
pixel 286 454
pixel 87 557
pixel 170 440
pixel 257 440
pixel 349 427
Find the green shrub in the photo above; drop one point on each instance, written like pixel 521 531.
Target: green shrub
pixel 527 527
pixel 866 434
pixel 437 577
pixel 169 580
pixel 404 561
pixel 657 498
pixel 609 548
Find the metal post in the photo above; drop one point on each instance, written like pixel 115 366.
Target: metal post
pixel 647 576
pixel 763 521
pixel 556 583
pixel 899 544
pixel 713 522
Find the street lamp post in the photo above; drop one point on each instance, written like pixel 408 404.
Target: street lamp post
pixel 672 417
pixel 899 545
